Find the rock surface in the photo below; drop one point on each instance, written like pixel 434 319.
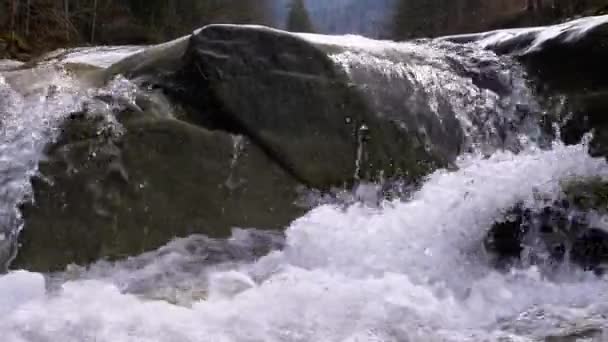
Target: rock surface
pixel 102 193
pixel 173 166
pixel 552 56
pixel 295 103
pixel 227 129
pixel 225 132
pixel 566 230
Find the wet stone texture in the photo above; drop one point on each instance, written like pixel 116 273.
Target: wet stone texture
pixel 567 230
pixel 261 114
pixel 105 194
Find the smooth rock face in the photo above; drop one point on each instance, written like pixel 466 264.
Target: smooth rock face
pixel 113 195
pixel 295 103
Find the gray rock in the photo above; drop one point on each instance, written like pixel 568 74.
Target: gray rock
pixel 295 103
pixel 562 231
pixel 112 196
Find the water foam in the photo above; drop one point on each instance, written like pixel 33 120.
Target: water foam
pixel 533 39
pixel 408 270
pixel 29 121
pixel 456 96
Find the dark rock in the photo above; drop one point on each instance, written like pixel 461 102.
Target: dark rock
pixel 291 100
pixel 505 238
pixel 106 191
pixel 557 233
pixel 565 61
pixel 553 53
pixel 108 195
pixel 590 249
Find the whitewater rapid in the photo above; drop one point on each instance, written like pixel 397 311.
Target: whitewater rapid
pixel 411 270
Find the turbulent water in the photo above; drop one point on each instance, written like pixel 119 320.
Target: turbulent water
pixel 411 269
pixel 443 85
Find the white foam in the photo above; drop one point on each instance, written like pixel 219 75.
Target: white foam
pixel 412 82
pixel 567 32
pixel 98 56
pixel 404 271
pixel 409 270
pixel 19 288
pixel 32 119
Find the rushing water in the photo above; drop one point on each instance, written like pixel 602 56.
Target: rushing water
pixel 411 269
pixel 442 85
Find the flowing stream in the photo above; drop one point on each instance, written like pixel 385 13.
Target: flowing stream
pixel 407 269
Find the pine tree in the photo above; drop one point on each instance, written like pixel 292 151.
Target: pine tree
pixel 298 19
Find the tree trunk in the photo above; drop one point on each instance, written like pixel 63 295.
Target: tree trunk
pixel 28 15
pixel 94 23
pixel 13 25
pixel 66 15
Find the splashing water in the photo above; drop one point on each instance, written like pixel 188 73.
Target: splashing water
pixel 409 270
pixel 532 39
pixel 28 122
pixel 405 270
pixel 459 97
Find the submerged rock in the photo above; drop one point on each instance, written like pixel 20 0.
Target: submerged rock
pixel 562 231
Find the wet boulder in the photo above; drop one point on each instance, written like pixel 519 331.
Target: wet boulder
pixel 553 53
pixel 565 61
pixel 108 190
pixel 229 124
pixel 287 96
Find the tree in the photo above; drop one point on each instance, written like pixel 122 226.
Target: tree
pixel 298 19
pixel 415 18
pixel 94 21
pixel 534 5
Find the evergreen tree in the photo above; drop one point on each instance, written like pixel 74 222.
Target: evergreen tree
pixel 415 18
pixel 298 19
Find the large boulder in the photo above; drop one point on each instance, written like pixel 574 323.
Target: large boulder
pixel 295 103
pixel 172 167
pixel 229 125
